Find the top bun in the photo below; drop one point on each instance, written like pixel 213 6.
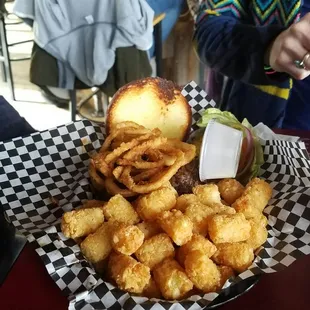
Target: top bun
pixel 152 103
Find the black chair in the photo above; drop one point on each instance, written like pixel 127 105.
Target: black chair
pixel 5 59
pixel 101 105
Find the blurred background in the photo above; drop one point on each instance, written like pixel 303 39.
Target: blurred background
pixel 46 107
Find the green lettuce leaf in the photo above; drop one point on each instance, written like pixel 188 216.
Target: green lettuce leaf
pixel 222 117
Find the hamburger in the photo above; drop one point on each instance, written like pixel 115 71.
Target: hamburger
pixel 158 103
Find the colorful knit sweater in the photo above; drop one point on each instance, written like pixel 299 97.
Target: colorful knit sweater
pixel 231 37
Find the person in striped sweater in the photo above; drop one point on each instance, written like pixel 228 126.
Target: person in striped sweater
pixel 262 48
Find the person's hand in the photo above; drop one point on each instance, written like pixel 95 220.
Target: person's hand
pixel 291 45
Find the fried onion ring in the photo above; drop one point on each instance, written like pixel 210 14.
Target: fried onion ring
pixel 188 149
pixel 146 174
pixel 113 189
pixel 129 130
pixel 140 159
pixel 158 181
pixel 140 149
pixel 124 147
pixel 164 160
pixel 95 179
pixel 141 164
pixel 117 172
pixel 101 165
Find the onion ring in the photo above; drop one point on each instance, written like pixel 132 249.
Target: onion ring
pixel 141 164
pixel 188 149
pixel 146 174
pixel 136 160
pixel 101 165
pixel 140 149
pixel 157 182
pixel 169 160
pixel 113 189
pixel 131 130
pixel 124 147
pixel 117 172
pixel 95 179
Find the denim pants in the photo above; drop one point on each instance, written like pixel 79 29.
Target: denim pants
pixel 172 9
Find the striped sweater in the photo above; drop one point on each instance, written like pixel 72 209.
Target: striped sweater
pixel 231 37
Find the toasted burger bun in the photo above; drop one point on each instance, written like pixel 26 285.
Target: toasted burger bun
pixel 152 103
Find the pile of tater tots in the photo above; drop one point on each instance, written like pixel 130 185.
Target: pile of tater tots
pixel 162 245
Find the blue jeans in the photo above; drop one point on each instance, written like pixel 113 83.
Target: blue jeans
pixel 172 8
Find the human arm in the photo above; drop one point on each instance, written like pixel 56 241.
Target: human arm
pixel 229 44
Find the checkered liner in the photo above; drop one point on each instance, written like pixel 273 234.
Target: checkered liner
pixel 48 167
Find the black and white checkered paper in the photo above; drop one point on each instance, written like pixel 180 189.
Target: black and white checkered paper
pixel 46 174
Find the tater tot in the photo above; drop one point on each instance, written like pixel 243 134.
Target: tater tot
pixel 244 205
pixel 262 220
pixel 228 228
pixel 127 239
pixel 149 206
pixel 256 195
pixel 222 209
pixel 260 191
pixel 185 200
pixel 169 185
pixel 97 246
pixel 151 290
pixel 172 280
pixel 259 233
pixel 226 273
pixel 198 213
pixel 154 250
pixel 207 193
pixel 177 226
pixel 119 209
pixel 129 274
pixel 197 242
pixel 238 256
pixel 114 225
pixel 82 222
pixel 202 271
pixel 149 229
pixel 230 190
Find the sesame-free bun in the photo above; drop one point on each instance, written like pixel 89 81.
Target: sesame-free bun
pixel 152 103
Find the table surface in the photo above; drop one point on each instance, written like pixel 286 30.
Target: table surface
pixel 29 287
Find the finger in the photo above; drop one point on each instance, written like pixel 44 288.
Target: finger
pixel 298 52
pixel 292 50
pixel 306 61
pixel 301 31
pixel 290 68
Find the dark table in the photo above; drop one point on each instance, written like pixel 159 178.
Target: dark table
pixel 29 287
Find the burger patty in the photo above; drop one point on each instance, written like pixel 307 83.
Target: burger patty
pixel 186 178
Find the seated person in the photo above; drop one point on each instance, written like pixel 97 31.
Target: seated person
pixel 266 58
